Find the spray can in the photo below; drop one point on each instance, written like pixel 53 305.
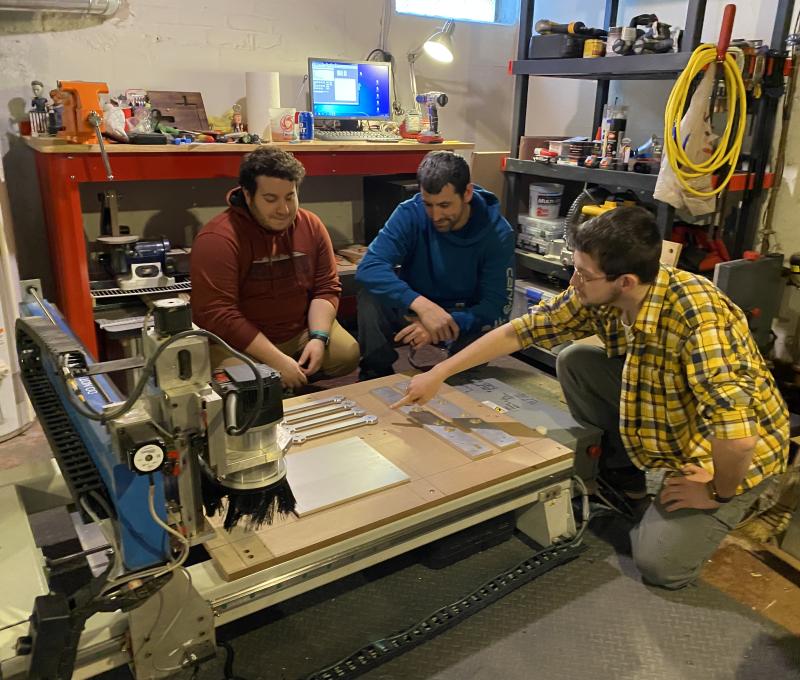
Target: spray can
pixel 305 120
pixel 615 118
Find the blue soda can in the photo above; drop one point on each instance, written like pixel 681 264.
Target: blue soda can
pixel 305 120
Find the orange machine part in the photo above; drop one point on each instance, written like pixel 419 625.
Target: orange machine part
pixel 80 99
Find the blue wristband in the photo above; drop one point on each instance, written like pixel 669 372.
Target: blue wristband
pixel 319 335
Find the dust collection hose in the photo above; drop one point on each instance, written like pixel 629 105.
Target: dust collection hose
pixel 730 143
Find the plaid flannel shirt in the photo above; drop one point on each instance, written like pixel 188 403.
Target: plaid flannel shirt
pixel 692 372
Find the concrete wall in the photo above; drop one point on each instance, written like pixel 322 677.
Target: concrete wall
pixel 207 46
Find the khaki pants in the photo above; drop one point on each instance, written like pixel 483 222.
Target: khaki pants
pixel 340 358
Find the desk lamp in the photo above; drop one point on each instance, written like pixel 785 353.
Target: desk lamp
pixel 438 46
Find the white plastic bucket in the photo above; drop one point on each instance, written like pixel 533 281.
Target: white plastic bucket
pixel 545 200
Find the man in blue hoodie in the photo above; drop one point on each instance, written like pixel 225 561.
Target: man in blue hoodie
pixel 455 252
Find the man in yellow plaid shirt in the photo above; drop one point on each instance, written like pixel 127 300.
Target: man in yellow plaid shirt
pixel 679 385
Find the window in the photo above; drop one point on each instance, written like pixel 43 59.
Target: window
pixel 484 11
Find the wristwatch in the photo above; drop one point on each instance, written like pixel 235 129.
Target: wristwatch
pixel 320 335
pixel 712 490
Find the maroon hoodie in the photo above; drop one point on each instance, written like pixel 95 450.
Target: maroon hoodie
pixel 246 279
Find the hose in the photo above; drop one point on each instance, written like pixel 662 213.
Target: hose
pixel 730 143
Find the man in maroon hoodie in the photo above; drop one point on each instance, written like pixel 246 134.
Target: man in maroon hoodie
pixel 264 275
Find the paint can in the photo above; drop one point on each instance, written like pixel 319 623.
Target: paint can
pixel 593 48
pixel 545 200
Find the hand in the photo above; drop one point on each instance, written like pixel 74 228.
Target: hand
pixel 439 324
pixel 291 374
pixel 414 334
pixel 310 360
pixel 688 489
pixel 421 389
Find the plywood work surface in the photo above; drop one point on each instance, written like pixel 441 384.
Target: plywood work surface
pixel 431 472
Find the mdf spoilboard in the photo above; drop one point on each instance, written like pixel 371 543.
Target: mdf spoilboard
pixel 437 473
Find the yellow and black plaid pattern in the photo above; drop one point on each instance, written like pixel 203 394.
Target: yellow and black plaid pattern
pixel 692 372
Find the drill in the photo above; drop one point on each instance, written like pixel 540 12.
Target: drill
pixel 432 100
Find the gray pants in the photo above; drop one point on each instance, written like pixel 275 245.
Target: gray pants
pixel 669 548
pixel 377 326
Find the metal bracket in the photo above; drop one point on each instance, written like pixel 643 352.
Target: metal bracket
pixel 127 364
pixel 305 406
pixel 465 443
pixel 25 294
pixel 293 418
pixel 312 423
pixel 334 427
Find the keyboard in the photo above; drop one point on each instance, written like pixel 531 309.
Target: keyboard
pixel 355 136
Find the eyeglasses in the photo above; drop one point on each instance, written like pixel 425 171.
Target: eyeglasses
pixel 582 279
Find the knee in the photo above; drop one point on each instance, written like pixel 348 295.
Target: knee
pixel 345 359
pixel 350 356
pixel 575 359
pixel 366 302
pixel 662 571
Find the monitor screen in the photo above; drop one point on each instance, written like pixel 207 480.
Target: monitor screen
pixel 350 89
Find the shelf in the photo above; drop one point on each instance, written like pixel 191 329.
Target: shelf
pixel 633 67
pixel 543 265
pixel 575 173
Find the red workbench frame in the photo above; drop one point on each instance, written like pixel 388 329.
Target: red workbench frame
pixel 62 168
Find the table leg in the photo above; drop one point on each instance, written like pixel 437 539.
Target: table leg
pixel 61 197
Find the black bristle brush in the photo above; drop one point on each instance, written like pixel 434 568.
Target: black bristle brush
pixel 257 506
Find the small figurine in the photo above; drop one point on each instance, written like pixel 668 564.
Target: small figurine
pixel 55 117
pixel 38 103
pixel 236 119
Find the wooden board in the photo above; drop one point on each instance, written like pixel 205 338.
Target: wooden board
pixel 487 171
pixel 336 473
pixel 436 472
pixel 184 108
pixel 53 145
pixel 670 253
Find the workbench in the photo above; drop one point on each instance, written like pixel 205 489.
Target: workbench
pixel 62 168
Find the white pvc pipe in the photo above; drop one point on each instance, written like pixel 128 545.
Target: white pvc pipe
pixel 103 7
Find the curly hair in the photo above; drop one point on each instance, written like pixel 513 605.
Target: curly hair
pixel 270 162
pixel 625 240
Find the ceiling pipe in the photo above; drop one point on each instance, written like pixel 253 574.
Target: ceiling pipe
pixel 101 7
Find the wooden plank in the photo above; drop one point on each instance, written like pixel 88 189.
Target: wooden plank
pixel 670 252
pixel 487 171
pixel 743 577
pixel 52 145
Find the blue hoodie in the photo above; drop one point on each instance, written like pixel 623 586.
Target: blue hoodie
pixel 469 272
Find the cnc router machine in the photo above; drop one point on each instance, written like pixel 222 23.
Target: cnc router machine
pixel 284 496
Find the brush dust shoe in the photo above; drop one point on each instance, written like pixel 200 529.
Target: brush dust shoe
pixel 256 506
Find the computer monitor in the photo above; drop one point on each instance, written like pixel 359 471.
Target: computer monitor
pixel 350 90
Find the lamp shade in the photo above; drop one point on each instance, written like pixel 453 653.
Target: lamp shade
pixel 440 45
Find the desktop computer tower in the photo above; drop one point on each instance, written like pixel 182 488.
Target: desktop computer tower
pixel 382 194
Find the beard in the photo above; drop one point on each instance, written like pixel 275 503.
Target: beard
pixel 271 224
pixel 609 299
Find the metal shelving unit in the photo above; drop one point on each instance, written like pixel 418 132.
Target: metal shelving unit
pixel 642 67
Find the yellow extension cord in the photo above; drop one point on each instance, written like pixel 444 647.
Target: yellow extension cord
pixel 725 153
